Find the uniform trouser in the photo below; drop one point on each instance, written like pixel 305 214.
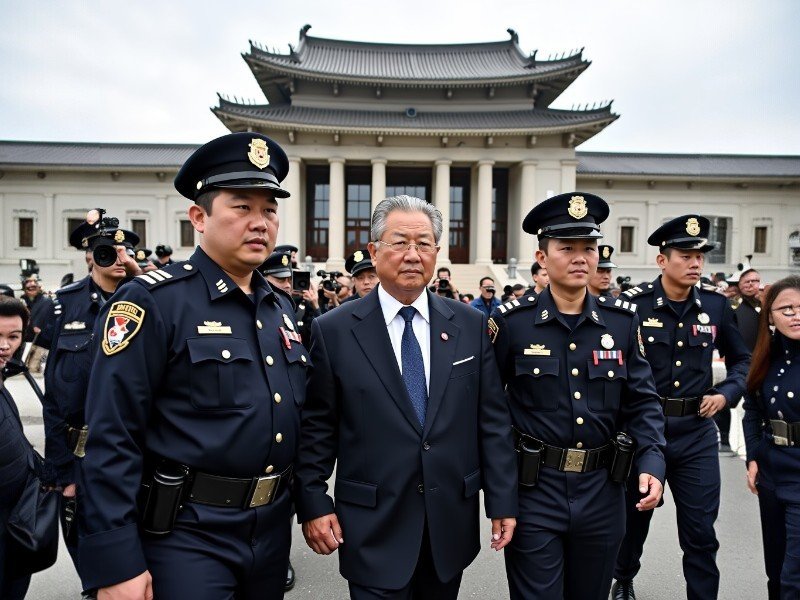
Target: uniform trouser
pixel 723 421
pixel 568 531
pixel 222 553
pixel 780 531
pixel 694 480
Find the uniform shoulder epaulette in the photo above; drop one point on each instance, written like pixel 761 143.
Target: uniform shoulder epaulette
pixel 516 304
pixel 72 287
pixel 170 273
pixel 637 290
pixel 620 304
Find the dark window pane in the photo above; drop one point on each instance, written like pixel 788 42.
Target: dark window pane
pixel 626 238
pixel 499 215
pixel 719 234
pixel 187 233
pixel 760 241
pixel 317 206
pixel 72 225
pixel 26 232
pixel 139 227
pixel 458 237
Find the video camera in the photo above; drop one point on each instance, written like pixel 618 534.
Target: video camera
pixel 28 268
pixel 301 281
pixel 330 284
pixel 624 283
pixel 163 250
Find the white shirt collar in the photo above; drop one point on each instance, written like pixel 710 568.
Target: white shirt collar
pixel 391 305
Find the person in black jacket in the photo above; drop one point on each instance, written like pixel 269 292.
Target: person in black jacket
pixel 39 331
pixel 14 448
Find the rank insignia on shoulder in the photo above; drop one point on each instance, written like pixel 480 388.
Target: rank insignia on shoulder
pixel 74 326
pixel 493 330
pixel 653 322
pixel 633 291
pixel 214 327
pixel 536 350
pixel 160 276
pixel 521 302
pixel 123 322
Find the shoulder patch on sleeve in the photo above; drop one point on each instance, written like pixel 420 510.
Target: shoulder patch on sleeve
pixel 173 272
pixel 123 322
pixel 493 330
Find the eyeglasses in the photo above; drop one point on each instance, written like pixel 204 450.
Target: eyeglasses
pixel 788 310
pixel 421 248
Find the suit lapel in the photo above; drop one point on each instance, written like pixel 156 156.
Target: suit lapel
pixel 371 334
pixel 443 353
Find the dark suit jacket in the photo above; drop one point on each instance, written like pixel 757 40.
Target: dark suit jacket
pixel 392 474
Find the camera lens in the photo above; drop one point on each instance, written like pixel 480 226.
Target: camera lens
pixel 104 254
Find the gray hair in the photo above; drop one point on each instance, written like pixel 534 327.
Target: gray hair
pixel 406 204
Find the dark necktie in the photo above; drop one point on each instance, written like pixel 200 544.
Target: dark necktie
pixel 413 367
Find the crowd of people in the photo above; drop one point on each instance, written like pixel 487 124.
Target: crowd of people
pixel 192 408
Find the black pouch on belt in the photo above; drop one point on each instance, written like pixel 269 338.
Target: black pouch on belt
pixel 530 460
pixel 164 499
pixel 624 451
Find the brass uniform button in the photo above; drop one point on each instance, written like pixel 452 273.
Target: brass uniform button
pixel 187 267
pixel 611 373
pixel 677 384
pixel 577 395
pixel 680 344
pixel 279 437
pixel 678 363
pixel 579 445
pixel 278 398
pixel 574 372
pixel 651 339
pixel 269 469
pixel 579 420
pixel 259 324
pixel 680 324
pixel 270 360
pixel 572 346
pixel 226 354
pixel 536 371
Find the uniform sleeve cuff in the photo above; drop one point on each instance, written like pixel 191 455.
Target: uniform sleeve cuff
pixel 111 557
pixel 311 507
pixel 653 466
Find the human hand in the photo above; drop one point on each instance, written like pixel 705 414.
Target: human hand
pixel 138 588
pixel 323 534
pixel 653 488
pixel 712 404
pixel 131 266
pixel 752 476
pixel 68 491
pixel 502 532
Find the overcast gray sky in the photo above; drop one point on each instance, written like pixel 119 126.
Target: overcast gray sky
pixel 686 75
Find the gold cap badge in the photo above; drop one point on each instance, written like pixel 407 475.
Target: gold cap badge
pixel 119 237
pixel 284 260
pixel 692 226
pixel 606 252
pixel 358 256
pixel 577 207
pixel 259 154
pixel 140 255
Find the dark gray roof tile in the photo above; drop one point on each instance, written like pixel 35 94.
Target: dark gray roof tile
pixel 687 165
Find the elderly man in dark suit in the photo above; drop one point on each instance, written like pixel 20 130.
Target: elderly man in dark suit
pixel 405 395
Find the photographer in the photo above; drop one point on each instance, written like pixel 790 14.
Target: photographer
pixel 70 361
pixel 487 301
pixel 443 284
pixel 39 332
pixel 164 254
pixel 333 290
pixel 359 265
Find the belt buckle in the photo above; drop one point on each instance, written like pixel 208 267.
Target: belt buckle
pixel 80 446
pixel 780 432
pixel 574 461
pixel 262 491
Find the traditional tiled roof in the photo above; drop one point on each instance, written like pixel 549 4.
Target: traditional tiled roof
pixel 490 63
pixel 91 155
pixel 687 165
pixel 300 118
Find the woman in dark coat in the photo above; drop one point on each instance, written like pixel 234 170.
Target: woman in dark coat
pixel 772 434
pixel 14 448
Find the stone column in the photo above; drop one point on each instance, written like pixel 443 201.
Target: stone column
pixel 527 200
pixel 49 225
pixel 441 200
pixel 165 226
pixel 483 214
pixel 336 218
pixel 568 175
pixel 378 187
pixel 650 252
pixel 290 209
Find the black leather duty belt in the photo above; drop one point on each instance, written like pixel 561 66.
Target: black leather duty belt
pixel 215 490
pixel 681 407
pixel 567 460
pixel 76 440
pixel 785 434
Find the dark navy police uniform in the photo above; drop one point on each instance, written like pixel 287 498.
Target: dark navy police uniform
pixel 776 450
pixel 679 339
pixel 573 382
pixel 67 372
pixel 194 379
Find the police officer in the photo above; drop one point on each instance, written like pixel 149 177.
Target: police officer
pixel 359 265
pixel 600 282
pixel 278 272
pixel 67 372
pixel 193 406
pixel 581 396
pixel 681 325
pixel 292 250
